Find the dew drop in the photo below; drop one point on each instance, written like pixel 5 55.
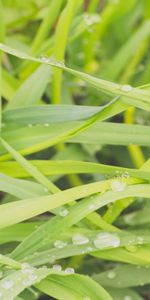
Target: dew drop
pixel 57 268
pixel 44 58
pixel 60 244
pixel 140 240
pixel 33 277
pixel 129 218
pixel 111 275
pixel 46 124
pixel 86 298
pixel 106 239
pixel 64 212
pixel 27 268
pixel 125 175
pixel 91 206
pixel 7 284
pixel 79 239
pixel 69 270
pixel 46 190
pixel 26 282
pixel 118 186
pixel 91 19
pixel 30 125
pixel 126 88
pixel 127 297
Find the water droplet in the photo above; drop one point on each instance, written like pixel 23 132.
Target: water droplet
pixel 126 88
pixel 79 239
pixel 129 218
pixel 86 298
pixel 111 274
pixel 46 190
pixel 33 277
pixel 92 19
pixel 91 206
pixel 64 212
pixel 89 249
pixel 69 270
pixel 30 125
pixel 60 244
pixel 57 268
pixel 127 297
pixel 140 240
pixel 44 58
pixel 26 282
pixel 106 240
pixel 125 175
pixel 27 268
pixel 7 284
pixel 46 124
pixel 118 186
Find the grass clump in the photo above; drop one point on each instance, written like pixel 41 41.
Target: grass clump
pixel 74 150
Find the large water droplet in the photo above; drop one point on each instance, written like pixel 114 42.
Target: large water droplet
pixel 126 88
pixel 59 244
pixel 79 239
pixel 7 284
pixel 57 268
pixel 64 212
pixel 69 270
pixel 118 186
pixel 106 240
pixel 111 274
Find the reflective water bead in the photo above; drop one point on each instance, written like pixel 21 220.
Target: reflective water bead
pixel 57 268
pixel 7 284
pixel 69 270
pixel 46 124
pixel 91 19
pixel 126 88
pixel 64 212
pixel 46 190
pixel 125 175
pixel 127 297
pixel 79 239
pixel 27 268
pixel 111 274
pixel 86 298
pixel 33 277
pixel 91 206
pixel 30 125
pixel 118 186
pixel 44 58
pixel 106 239
pixel 140 240
pixel 59 244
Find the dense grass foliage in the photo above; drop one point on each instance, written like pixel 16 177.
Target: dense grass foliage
pixel 74 149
